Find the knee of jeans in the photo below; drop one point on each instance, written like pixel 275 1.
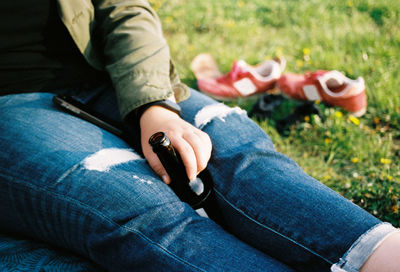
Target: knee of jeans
pixel 230 127
pixel 215 111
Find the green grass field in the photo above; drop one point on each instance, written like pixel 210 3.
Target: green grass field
pixel 358 157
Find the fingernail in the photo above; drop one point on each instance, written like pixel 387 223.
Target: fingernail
pixel 165 178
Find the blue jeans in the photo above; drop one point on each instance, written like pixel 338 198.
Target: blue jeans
pixel 68 183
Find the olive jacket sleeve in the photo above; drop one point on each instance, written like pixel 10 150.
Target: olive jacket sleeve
pixel 124 37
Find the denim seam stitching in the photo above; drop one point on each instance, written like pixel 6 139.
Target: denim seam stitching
pixel 98 213
pixel 270 229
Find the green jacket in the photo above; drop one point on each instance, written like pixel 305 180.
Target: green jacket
pixel 124 37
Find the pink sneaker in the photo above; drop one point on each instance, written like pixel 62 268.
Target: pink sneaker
pixel 331 87
pixel 242 81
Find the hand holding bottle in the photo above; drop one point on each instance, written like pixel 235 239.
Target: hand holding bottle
pixel 199 194
pixel 192 144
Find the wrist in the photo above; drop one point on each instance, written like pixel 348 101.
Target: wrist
pixel 165 103
pixel 156 113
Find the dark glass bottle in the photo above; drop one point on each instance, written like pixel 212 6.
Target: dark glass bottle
pixel 198 194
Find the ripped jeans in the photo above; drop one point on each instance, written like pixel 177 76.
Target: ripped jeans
pixel 66 182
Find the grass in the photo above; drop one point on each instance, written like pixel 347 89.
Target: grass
pixel 358 157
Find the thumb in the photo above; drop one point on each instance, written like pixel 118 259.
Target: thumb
pixel 157 167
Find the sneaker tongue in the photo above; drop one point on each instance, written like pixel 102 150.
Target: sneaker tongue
pixel 242 65
pixel 237 68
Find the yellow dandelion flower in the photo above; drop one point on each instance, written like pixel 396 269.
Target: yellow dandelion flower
pixel 326 177
pixel 299 63
pixel 156 4
pixel 338 114
pixel 350 4
pixel 156 7
pixel 306 51
pixel 354 160
pixel 328 141
pixel 168 19
pixel 241 4
pixel 386 161
pixel 230 23
pixel 354 120
pixel 267 57
pixel 389 177
pixel 279 51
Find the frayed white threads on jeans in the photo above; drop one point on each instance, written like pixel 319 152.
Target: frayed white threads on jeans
pixel 104 159
pixel 142 180
pixel 206 114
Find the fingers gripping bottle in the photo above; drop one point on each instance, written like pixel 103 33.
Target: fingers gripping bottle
pixel 198 193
